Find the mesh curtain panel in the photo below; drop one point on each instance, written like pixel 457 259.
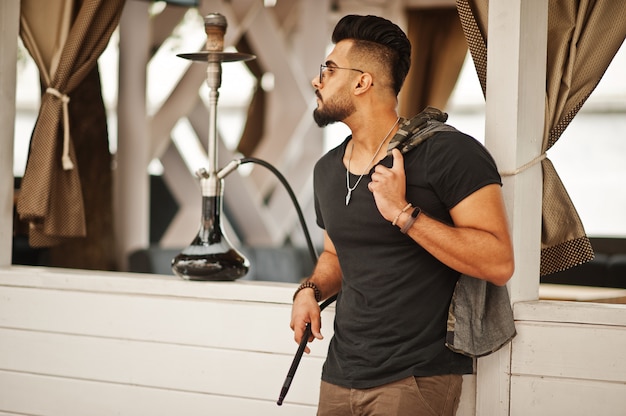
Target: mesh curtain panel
pixel 583 38
pixel 437 56
pixel 65 39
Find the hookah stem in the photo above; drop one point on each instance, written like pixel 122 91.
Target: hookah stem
pixel 214 80
pixel 296 359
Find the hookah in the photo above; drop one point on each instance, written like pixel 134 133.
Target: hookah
pixel 210 256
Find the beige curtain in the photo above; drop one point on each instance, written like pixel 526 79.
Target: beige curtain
pixel 583 38
pixel 437 56
pixel 65 38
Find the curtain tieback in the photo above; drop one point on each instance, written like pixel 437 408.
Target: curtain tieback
pixel 65 158
pixel 522 168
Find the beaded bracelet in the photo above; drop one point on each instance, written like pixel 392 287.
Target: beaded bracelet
pixel 395 220
pixel 311 285
pixel 407 225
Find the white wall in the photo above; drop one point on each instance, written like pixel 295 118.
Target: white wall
pixel 103 343
pixel 569 358
pixel 98 343
pixel 80 343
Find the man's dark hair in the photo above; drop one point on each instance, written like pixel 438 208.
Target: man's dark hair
pixel 373 32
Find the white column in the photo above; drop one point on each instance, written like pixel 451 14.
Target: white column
pixel 132 196
pixel 9 29
pixel 516 73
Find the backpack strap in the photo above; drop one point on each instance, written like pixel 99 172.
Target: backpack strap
pixel 414 131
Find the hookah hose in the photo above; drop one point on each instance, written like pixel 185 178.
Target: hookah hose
pixel 234 164
pixel 307 331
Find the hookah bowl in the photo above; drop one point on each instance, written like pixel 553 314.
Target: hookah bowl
pixel 210 256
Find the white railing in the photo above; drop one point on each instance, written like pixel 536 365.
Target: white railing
pixel 76 342
pixel 94 343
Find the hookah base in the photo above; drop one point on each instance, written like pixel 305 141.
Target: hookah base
pixel 226 266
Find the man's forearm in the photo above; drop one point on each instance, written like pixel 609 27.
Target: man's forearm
pixel 327 274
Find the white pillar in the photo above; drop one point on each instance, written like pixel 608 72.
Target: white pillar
pixel 516 73
pixel 132 196
pixel 9 30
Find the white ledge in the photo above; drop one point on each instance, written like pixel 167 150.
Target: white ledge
pixel 145 284
pixel 571 312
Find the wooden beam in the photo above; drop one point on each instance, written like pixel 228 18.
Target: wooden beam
pixel 306 142
pixel 515 106
pixel 132 201
pixel 163 24
pixel 514 129
pixel 9 30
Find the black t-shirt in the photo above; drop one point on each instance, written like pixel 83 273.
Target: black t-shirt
pixel 391 312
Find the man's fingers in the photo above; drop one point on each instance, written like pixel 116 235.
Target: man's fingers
pixel 398 160
pixel 316 327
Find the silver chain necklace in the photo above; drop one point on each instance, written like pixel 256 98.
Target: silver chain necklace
pixel 348 187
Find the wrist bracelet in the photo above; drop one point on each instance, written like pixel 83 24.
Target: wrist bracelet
pixel 395 220
pixel 309 285
pixel 407 225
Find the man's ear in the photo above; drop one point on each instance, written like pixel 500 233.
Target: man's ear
pixel 364 83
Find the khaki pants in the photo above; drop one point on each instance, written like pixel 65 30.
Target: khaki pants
pixel 412 396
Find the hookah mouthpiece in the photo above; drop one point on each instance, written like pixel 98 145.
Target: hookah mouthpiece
pixel 215 28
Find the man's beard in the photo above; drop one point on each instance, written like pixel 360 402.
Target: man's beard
pixel 333 112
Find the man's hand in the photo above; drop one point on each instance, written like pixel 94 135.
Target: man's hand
pixel 305 310
pixel 388 186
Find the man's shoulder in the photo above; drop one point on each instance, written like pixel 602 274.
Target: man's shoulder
pixel 449 141
pixel 455 141
pixel 332 155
